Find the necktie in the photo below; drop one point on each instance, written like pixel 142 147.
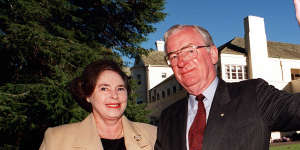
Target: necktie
pixel 196 131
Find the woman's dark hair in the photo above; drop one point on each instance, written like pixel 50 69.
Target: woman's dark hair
pixel 84 85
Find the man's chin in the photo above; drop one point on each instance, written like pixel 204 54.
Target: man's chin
pixel 192 89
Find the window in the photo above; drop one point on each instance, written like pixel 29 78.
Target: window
pixel 139 79
pixel 168 92
pixel 245 72
pixel 163 94
pixel 236 72
pixel 154 96
pixel 174 89
pixel 157 96
pixel 164 75
pixel 139 101
pixel 233 72
pixel 295 74
pixel 150 100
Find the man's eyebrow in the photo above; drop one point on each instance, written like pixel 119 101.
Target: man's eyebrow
pixel 186 46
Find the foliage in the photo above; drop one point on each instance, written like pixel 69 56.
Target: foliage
pixel 134 111
pixel 44 44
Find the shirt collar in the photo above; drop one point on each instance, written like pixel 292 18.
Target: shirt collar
pixel 209 93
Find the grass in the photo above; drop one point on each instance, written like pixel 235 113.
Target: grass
pixel 286 147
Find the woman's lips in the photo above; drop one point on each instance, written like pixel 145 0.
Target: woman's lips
pixel 113 105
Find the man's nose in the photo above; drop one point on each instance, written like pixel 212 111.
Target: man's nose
pixel 182 60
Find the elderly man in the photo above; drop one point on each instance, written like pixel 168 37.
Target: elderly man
pixel 218 115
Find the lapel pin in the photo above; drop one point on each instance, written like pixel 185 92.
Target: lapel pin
pixel 222 114
pixel 137 137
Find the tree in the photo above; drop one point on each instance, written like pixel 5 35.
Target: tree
pixel 44 44
pixel 134 111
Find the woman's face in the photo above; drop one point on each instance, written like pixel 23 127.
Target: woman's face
pixel 109 98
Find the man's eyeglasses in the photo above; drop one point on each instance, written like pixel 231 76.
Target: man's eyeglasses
pixel 186 52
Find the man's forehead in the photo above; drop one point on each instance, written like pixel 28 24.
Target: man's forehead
pixel 188 45
pixel 183 40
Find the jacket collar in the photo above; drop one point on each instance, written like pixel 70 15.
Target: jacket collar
pixel 87 136
pixel 134 138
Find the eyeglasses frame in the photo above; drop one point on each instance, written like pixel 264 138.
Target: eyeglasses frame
pixel 179 51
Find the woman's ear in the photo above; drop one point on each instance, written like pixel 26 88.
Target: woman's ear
pixel 88 100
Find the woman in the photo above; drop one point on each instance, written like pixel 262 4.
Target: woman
pixel 102 89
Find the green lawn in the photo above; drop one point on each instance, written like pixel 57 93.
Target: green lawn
pixel 286 147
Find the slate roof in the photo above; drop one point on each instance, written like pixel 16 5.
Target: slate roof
pixel 154 58
pixel 275 49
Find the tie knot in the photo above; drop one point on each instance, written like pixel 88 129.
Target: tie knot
pixel 200 97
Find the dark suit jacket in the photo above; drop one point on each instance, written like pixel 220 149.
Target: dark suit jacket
pixel 251 108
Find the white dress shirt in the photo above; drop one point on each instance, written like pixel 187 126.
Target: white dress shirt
pixel 193 106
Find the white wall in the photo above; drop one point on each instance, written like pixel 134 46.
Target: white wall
pixel 155 74
pixel 289 64
pixel 256 45
pixel 279 71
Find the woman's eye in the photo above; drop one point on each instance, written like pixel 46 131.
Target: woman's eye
pixel 121 89
pixel 103 89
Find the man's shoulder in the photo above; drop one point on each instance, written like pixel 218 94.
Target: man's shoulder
pixel 250 86
pixel 177 106
pixel 249 82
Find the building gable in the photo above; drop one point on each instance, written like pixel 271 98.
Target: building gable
pixel 275 49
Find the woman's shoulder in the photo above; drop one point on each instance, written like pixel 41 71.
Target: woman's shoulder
pixel 63 129
pixel 55 135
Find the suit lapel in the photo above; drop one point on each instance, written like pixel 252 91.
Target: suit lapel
pixel 87 136
pixel 217 117
pixel 180 119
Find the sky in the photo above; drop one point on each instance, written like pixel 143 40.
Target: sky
pixel 224 19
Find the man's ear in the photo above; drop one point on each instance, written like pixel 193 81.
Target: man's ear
pixel 214 54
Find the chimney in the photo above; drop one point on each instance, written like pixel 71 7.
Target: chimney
pixel 160 45
pixel 256 45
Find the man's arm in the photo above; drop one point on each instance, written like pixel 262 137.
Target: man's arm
pixel 279 109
